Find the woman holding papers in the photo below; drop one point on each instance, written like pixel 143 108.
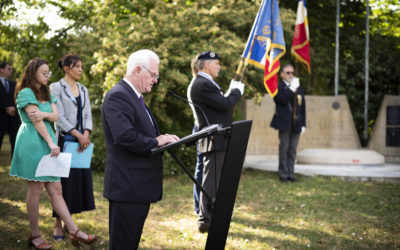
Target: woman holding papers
pixel 35 139
pixel 74 125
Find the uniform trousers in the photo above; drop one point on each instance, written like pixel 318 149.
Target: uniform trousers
pixel 198 174
pixel 126 221
pixel 213 163
pixel 288 141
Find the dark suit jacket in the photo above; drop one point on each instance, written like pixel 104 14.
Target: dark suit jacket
pixel 132 175
pixel 284 106
pixel 217 108
pixel 7 100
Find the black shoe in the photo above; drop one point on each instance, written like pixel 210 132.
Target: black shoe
pixel 203 227
pixel 283 179
pixel 292 179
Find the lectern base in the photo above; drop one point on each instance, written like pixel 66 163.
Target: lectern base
pixel 228 185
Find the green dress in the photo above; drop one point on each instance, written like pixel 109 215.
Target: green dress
pixel 30 146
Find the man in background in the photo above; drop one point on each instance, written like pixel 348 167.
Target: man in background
pixel 290 119
pixel 9 119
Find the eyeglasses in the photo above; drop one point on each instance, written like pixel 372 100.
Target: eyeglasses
pixel 289 73
pixel 153 75
pixel 47 73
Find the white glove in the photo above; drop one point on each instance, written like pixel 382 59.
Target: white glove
pixel 235 85
pixel 238 85
pixel 228 92
pixel 303 129
pixel 294 84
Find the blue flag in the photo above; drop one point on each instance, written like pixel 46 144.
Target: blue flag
pixel 266 44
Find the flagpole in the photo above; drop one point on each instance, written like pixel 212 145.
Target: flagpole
pixel 246 62
pixel 247 58
pixel 239 69
pixel 337 48
pixel 366 70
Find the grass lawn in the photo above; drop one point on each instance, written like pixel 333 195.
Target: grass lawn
pixel 316 213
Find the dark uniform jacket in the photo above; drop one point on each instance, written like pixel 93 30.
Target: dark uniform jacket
pixel 217 108
pixel 284 118
pixel 131 175
pixel 7 100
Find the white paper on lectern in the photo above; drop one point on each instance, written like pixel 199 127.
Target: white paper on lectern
pixel 54 166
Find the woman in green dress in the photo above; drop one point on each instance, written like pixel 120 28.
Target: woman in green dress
pixel 35 139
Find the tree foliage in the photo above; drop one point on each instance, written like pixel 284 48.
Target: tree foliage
pixel 105 32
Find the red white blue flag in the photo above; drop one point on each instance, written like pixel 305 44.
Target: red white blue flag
pixel 266 44
pixel 301 43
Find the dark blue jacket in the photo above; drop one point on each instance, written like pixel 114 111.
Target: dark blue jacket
pixel 284 106
pixel 217 108
pixel 131 175
pixel 7 100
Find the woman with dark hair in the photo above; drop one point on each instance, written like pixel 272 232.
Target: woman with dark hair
pixel 35 139
pixel 74 124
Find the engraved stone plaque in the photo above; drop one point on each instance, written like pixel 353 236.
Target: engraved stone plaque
pixel 329 124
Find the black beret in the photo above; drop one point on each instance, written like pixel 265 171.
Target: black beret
pixel 208 55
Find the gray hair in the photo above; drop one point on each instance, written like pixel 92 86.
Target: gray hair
pixel 200 64
pixel 139 58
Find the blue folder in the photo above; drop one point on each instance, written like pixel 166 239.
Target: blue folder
pixel 79 159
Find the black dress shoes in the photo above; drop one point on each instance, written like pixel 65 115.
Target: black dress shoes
pixel 292 179
pixel 283 179
pixel 203 227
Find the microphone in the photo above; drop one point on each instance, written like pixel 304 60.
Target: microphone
pixel 170 92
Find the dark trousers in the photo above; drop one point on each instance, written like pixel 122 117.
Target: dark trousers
pixel 288 141
pixel 198 175
pixel 213 163
pixel 126 221
pixel 11 127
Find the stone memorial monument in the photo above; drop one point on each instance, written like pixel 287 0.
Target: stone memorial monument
pixel 329 125
pixel 385 137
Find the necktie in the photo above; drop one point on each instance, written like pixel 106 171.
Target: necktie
pixel 147 112
pixel 142 102
pixel 6 85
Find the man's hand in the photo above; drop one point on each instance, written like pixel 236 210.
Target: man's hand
pixel 237 85
pixel 11 111
pixel 228 92
pixel 303 129
pixel 166 139
pixel 294 84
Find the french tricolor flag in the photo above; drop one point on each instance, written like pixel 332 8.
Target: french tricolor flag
pixel 301 36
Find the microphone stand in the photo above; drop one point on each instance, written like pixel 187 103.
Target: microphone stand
pixel 211 200
pixel 170 92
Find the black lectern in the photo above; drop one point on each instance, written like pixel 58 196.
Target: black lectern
pixel 238 135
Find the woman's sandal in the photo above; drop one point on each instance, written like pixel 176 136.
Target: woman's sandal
pixel 42 245
pixel 75 239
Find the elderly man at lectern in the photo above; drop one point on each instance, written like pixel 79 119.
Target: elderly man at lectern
pixel 133 177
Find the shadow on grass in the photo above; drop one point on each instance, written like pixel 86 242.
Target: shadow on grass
pixel 337 213
pixel 316 238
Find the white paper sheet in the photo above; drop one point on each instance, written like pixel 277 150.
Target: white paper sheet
pixel 54 166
